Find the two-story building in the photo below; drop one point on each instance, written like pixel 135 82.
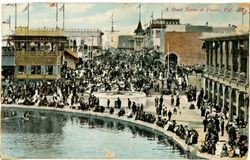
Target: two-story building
pixel 227 72
pixel 40 53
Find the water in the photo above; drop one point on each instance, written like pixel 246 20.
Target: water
pixel 52 134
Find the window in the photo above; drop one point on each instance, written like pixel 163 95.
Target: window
pixel 49 70
pixel 21 69
pixel 157 34
pixel 35 69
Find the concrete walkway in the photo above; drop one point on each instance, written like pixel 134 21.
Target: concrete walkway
pixel 186 117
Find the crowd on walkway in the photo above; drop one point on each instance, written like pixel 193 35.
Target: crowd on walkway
pixel 131 71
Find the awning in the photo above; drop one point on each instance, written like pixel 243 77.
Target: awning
pixel 71 53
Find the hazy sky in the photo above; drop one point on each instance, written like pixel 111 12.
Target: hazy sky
pixel 126 15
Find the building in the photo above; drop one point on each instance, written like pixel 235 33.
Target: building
pixel 138 38
pixel 183 48
pixel 227 72
pixel 8 61
pixel 39 53
pixel 154 34
pixel 112 39
pixel 82 41
pixel 126 42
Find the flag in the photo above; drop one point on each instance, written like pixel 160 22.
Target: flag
pixel 26 8
pixel 10 4
pixel 240 9
pixel 139 6
pixel 52 4
pixel 245 12
pixel 62 8
pixel 7 21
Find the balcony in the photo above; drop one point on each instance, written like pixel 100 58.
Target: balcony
pixel 25 31
pixel 235 76
pixel 36 58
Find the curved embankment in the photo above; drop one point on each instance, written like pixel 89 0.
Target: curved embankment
pixel 192 150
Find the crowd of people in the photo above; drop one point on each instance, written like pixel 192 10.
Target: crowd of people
pixel 123 70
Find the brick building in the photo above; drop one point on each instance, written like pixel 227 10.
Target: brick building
pixel 184 47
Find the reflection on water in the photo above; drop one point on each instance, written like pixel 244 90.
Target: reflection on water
pixel 51 134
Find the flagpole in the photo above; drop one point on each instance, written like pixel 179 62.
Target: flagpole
pixel 15 15
pixel 9 25
pixel 28 15
pixel 242 18
pixel 140 12
pixel 56 16
pixel 63 15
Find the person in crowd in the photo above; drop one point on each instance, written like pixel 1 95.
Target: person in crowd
pixel 108 103
pixel 224 151
pixel 172 100
pixel 129 103
pixel 169 115
pixel 222 127
pixel 177 101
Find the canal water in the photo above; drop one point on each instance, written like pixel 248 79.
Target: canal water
pixel 54 134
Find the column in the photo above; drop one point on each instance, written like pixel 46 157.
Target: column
pixel 211 56
pixel 55 69
pixel 240 60
pixel 248 67
pixel 231 52
pixel 226 58
pixel 27 69
pixel 246 105
pixel 223 95
pixel 218 93
pixel 209 89
pixel 43 69
pixel 221 54
pixel 230 103
pixel 207 56
pixel 216 45
pixel 213 89
pixel 237 102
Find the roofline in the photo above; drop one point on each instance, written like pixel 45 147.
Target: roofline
pixel 223 36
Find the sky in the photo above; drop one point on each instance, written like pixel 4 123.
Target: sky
pixel 88 15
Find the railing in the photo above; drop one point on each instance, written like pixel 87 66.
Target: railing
pixel 38 31
pixel 227 74
pixel 36 58
pixel 235 75
pixel 242 77
pixel 216 70
pixel 222 71
pixel 211 69
pixel 37 76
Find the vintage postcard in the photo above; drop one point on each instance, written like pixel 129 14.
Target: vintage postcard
pixel 124 80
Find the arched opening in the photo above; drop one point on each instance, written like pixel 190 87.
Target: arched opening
pixel 172 58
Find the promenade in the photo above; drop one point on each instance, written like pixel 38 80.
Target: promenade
pixel 185 116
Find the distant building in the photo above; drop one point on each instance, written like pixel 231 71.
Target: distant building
pixel 40 53
pixel 126 42
pixel 8 61
pixel 138 38
pixel 227 73
pixel 154 34
pixel 112 39
pixel 82 41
